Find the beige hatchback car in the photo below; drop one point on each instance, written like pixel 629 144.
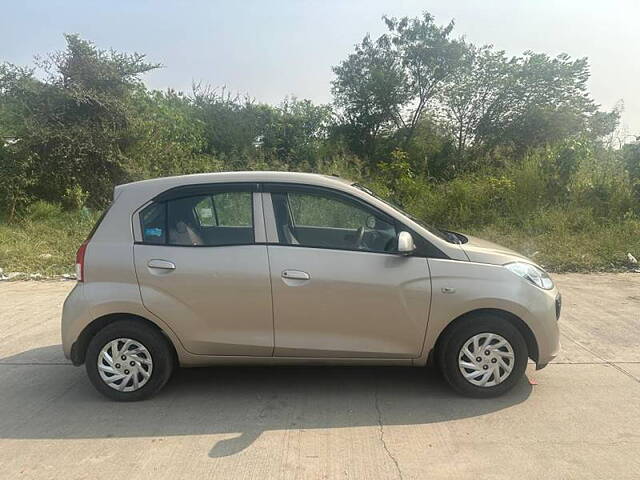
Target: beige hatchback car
pixel 293 268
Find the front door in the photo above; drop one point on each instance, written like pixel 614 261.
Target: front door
pixel 339 290
pixel 200 270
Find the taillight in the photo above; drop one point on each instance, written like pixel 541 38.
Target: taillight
pixel 80 261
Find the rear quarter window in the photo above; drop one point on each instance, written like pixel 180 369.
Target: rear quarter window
pixel 153 223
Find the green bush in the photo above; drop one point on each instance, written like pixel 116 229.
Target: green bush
pixel 41 211
pixel 603 184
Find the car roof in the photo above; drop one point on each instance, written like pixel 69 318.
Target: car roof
pixel 160 184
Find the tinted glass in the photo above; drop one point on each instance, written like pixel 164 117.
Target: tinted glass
pixel 319 211
pixel 233 209
pixel 152 219
pixel 205 213
pixel 183 223
pixel 201 220
pixel 328 221
pixel 210 220
pixel 436 231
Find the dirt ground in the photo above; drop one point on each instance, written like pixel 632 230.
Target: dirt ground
pixel 578 418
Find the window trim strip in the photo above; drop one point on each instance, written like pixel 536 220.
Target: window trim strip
pixel 196 189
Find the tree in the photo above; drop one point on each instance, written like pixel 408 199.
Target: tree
pixel 295 131
pixel 238 127
pixel 523 102
pixel 472 91
pixel 631 160
pixel 369 92
pixel 389 83
pixel 167 136
pixel 429 57
pixel 72 128
pixel 231 122
pixel 15 157
pixel 543 100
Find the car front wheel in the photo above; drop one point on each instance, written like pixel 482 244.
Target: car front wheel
pixel 129 361
pixel 483 356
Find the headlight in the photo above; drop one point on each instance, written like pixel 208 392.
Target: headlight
pixel 535 275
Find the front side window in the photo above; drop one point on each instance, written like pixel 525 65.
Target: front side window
pixel 436 231
pixel 220 218
pixel 330 221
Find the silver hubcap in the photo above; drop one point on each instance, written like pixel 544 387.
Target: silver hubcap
pixel 125 364
pixel 486 359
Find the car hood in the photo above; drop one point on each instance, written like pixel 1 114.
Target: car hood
pixel 483 251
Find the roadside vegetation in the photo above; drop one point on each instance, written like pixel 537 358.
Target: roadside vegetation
pixel 43 240
pixel 512 149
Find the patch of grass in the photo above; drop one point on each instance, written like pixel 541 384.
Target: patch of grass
pixel 561 244
pixel 44 239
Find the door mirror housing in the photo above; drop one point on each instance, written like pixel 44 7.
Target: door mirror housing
pixel 406 246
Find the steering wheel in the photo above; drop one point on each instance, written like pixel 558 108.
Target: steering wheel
pixel 359 237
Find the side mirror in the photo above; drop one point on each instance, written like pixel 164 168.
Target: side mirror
pixel 405 243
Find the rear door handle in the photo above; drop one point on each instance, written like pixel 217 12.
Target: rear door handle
pixel 295 275
pixel 161 264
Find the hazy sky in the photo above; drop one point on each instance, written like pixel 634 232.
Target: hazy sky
pixel 270 49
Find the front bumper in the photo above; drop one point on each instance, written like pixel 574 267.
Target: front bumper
pixel 547 331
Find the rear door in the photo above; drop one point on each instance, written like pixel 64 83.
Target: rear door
pixel 202 267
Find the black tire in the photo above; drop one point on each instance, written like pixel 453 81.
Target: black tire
pixel 152 339
pixel 454 339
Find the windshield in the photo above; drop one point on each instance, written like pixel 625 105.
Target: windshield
pixel 445 235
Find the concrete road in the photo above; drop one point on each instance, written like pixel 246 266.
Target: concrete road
pixel 578 418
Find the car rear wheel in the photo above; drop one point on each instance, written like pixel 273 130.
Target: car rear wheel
pixel 483 356
pixel 128 361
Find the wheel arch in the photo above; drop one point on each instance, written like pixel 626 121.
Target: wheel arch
pixel 517 322
pixel 79 347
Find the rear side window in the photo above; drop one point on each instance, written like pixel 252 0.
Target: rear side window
pixel 233 209
pixel 220 218
pixel 205 213
pixel 227 209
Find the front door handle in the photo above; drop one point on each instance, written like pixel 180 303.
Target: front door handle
pixel 295 275
pixel 161 264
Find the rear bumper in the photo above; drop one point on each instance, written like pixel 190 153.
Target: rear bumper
pixel 74 317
